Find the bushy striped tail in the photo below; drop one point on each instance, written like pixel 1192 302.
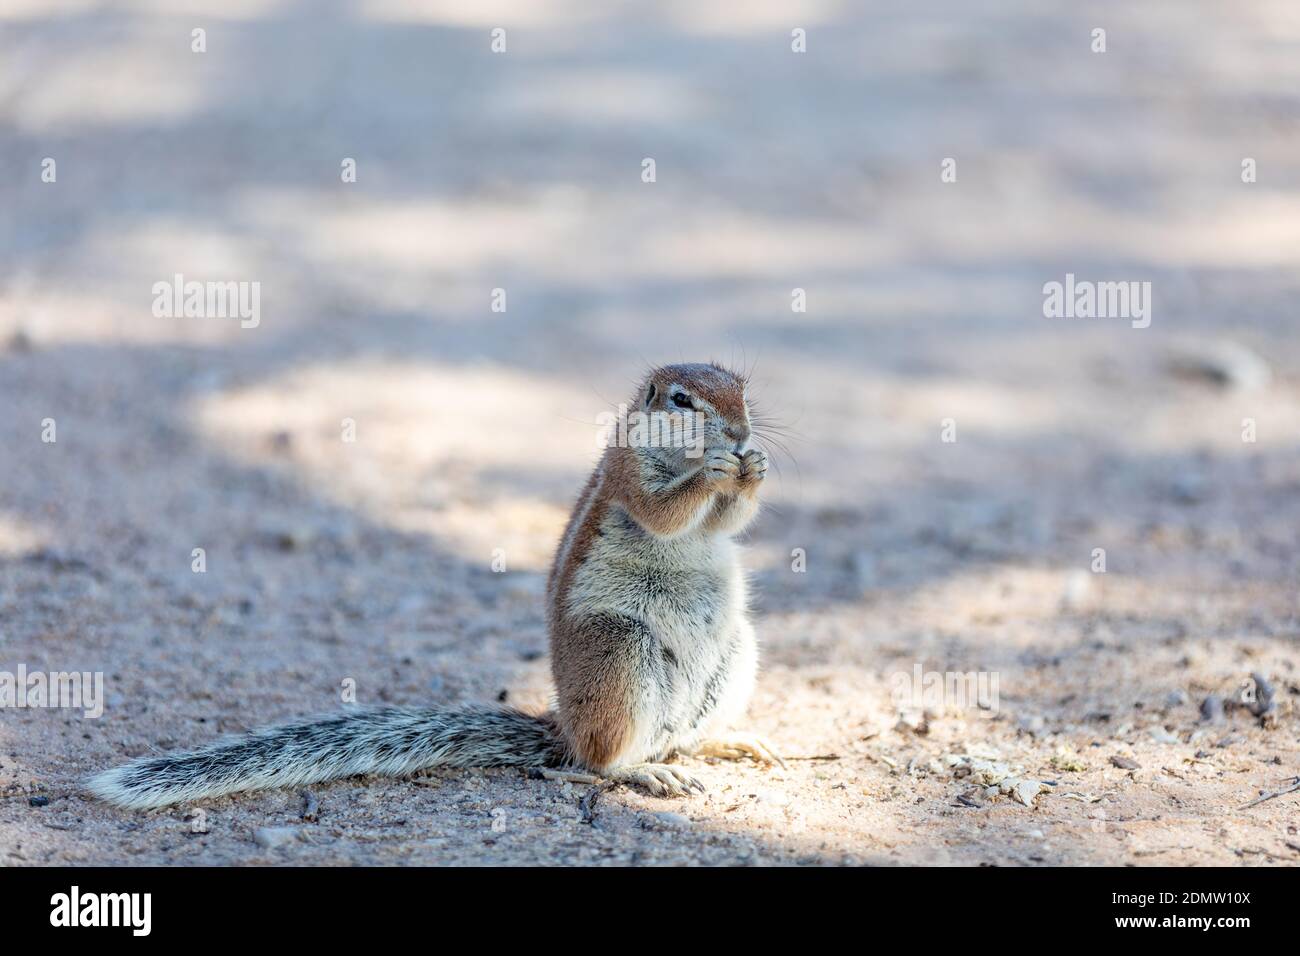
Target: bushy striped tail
pixel 392 741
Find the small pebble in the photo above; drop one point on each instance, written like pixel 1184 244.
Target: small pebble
pixel 272 837
pixel 1078 585
pixel 913 723
pixel 1125 763
pixel 1212 709
pixel 291 539
pixel 1024 791
pixel 1188 489
pixel 1225 364
pixel 1264 702
pixel 310 807
pixel 39 801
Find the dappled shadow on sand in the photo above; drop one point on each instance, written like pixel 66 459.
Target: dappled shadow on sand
pixel 371 560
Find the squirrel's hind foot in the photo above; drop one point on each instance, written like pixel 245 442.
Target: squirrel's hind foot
pixel 738 747
pixel 659 779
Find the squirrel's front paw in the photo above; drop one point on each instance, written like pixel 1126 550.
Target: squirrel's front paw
pixel 753 467
pixel 722 466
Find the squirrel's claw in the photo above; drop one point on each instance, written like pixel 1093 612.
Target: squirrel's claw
pixel 660 779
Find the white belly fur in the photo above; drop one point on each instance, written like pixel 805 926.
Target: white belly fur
pixel 690 592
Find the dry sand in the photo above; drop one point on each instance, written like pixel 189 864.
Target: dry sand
pixel 372 560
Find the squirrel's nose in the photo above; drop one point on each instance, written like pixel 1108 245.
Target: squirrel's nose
pixel 738 434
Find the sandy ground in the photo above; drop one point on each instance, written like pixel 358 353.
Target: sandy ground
pixel 371 561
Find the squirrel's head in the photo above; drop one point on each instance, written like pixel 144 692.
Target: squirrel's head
pixel 711 396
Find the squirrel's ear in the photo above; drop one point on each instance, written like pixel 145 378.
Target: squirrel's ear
pixel 650 394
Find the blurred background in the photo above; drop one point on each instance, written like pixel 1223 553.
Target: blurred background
pixel 774 171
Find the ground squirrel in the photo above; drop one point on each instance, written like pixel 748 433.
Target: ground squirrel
pixel 651 651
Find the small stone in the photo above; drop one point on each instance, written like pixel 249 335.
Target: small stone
pixel 1188 488
pixel 912 723
pixel 1024 791
pixel 38 801
pixel 291 539
pixel 272 837
pixel 1176 698
pixel 310 807
pixel 1264 703
pixel 1125 763
pixel 980 771
pixel 1078 585
pixel 1225 364
pixel 1162 736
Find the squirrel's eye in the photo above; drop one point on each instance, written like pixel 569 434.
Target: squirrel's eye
pixel 682 400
